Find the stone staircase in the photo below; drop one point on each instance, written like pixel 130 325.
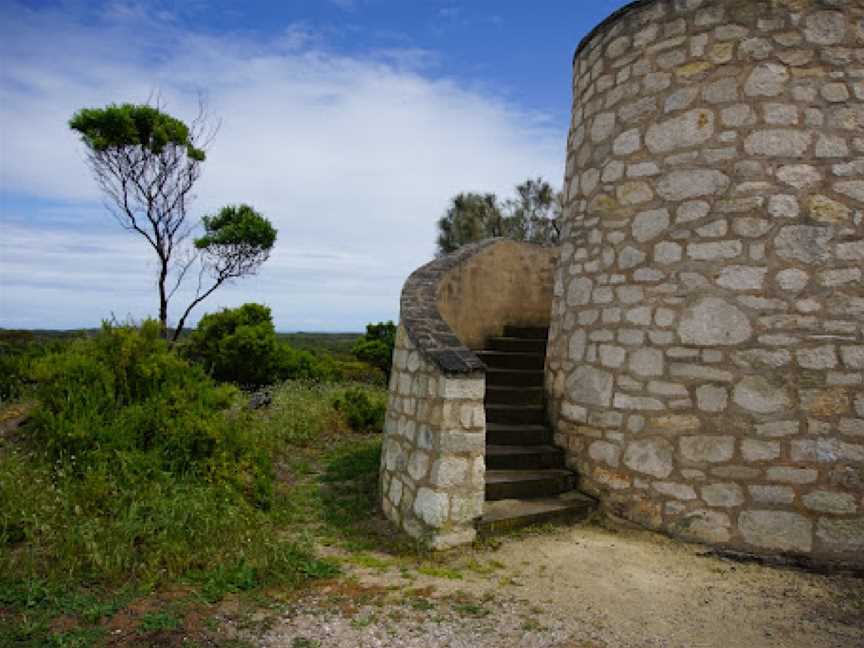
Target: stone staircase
pixel 527 481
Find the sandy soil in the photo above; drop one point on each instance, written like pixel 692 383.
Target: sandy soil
pixel 583 587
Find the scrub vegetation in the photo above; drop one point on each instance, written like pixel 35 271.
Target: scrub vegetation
pixel 140 484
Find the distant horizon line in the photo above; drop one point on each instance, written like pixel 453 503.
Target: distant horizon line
pixel 96 328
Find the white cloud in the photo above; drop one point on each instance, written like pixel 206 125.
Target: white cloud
pixel 352 158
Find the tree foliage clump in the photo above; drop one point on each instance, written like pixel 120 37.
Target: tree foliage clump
pixel 146 163
pixel 240 346
pixel 533 215
pixel 376 347
pixel 237 345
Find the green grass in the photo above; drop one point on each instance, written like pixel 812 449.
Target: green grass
pixel 90 530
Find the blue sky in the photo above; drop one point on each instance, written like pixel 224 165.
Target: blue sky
pixel 348 123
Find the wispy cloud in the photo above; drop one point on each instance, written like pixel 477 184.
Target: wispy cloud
pixel 353 159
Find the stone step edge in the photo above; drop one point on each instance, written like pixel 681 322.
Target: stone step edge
pixel 522 512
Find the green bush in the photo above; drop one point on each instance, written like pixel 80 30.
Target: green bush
pixel 237 345
pixel 376 347
pixel 18 351
pixel 137 464
pixel 240 346
pixel 364 411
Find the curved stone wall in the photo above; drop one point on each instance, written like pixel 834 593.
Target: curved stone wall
pixel 432 477
pixel 706 358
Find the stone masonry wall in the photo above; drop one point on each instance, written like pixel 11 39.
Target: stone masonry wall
pixel 706 358
pixel 432 462
pixel 432 479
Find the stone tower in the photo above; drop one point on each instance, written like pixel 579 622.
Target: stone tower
pixel 706 356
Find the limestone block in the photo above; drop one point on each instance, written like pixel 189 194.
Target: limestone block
pixel 805 243
pixel 823 357
pixel 707 448
pixel 715 251
pixel 704 526
pixel 450 539
pixel 690 129
pixel 646 362
pixel 792 279
pixel 754 450
pixel 742 277
pixel 778 530
pixel 590 386
pixel 712 398
pixel 432 507
pixel 462 388
pixel 694 183
pixel 650 224
pixel 448 472
pixel 789 475
pixel 761 395
pixel 679 491
pixel 603 126
pixel 418 465
pixel 605 452
pixel 825 28
pixel 627 142
pixel 723 495
pixel 842 535
pixel 830 502
pixel 714 322
pixel 771 494
pixel 650 456
pixel 784 143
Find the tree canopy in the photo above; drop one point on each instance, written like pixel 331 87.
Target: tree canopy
pixel 533 215
pixel 146 162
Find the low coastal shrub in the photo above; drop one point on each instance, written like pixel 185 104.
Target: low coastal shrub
pixel 364 410
pixel 136 464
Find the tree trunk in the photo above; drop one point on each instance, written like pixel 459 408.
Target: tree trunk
pixel 163 299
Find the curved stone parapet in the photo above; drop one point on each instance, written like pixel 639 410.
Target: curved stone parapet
pixel 706 357
pixel 432 464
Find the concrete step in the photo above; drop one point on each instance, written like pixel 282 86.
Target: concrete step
pixel 515 457
pixel 517 345
pixel 503 515
pixel 502 395
pixel 530 332
pixel 510 360
pixel 519 435
pixel 516 414
pixel 525 484
pixel 514 378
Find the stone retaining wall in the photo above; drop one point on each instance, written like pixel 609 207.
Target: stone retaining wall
pixel 432 465
pixel 706 359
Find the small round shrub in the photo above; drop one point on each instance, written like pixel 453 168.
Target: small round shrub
pixel 363 411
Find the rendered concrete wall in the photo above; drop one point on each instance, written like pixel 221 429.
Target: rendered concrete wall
pixel 507 283
pixel 706 359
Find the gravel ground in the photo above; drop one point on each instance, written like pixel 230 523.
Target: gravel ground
pixel 580 587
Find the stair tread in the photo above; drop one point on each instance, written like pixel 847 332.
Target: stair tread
pixel 507 406
pixel 515 476
pixel 516 508
pixel 510 353
pixel 513 337
pixel 498 449
pixel 516 427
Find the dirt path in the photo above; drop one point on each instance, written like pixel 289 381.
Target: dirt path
pixel 582 587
